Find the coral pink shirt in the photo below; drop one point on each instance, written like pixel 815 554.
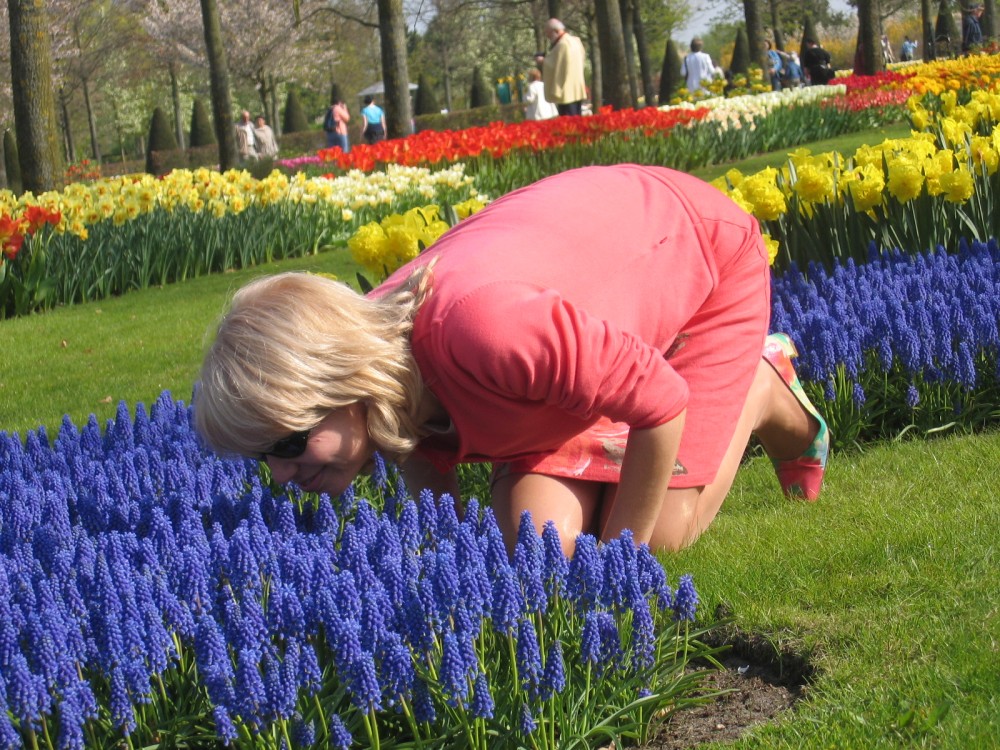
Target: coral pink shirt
pixel 557 304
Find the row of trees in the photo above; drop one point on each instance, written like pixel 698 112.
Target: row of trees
pixel 101 67
pixel 117 56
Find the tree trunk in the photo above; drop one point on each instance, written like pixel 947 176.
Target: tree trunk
pixel 34 99
pixel 988 22
pixel 614 75
pixel 755 37
pixel 555 8
pixel 927 30
pixel 95 146
pixel 69 146
pixel 869 38
pixel 596 68
pixel 218 71
pixel 395 75
pixel 175 93
pixel 262 94
pixel 118 129
pixel 779 40
pixel 273 119
pixel 645 68
pixel 626 7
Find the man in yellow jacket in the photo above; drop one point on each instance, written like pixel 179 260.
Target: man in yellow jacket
pixel 562 71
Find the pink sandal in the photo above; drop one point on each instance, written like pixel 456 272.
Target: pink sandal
pixel 801 477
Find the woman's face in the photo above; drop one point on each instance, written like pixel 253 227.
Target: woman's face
pixel 337 451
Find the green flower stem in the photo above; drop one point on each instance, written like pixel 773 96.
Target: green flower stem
pixel 322 715
pixel 411 720
pixel 371 728
pixel 284 732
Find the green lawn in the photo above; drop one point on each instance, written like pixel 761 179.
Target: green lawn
pixel 845 145
pixel 887 584
pixel 84 359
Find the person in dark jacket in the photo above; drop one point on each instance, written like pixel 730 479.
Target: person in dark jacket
pixel 972 32
pixel 816 62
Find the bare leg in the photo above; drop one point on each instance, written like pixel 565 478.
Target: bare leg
pixel 771 411
pixel 783 426
pixel 570 503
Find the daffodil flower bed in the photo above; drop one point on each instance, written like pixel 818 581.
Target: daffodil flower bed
pixel 913 193
pixel 382 247
pixel 151 592
pixel 132 232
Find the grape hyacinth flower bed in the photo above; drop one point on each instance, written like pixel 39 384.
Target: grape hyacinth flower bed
pixel 153 593
pixel 901 342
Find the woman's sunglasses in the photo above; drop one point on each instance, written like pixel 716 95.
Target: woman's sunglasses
pixel 292 446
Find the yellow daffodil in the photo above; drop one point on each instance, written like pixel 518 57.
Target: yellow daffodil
pixel 771 245
pixel 984 154
pixel 866 184
pixel 814 184
pixel 761 192
pixel 955 131
pixel 367 247
pixel 465 209
pixel 957 186
pixel 906 180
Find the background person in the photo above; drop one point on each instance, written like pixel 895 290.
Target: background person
pixel 562 69
pixel 887 57
pixel 246 143
pixel 537 107
pixel 267 145
pixel 697 67
pixel 612 373
pixel 337 118
pixel 335 125
pixel 774 65
pixel 372 121
pixel 793 71
pixel 816 62
pixel 907 50
pixel 972 32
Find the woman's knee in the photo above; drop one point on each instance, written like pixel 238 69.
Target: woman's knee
pixel 571 505
pixel 682 519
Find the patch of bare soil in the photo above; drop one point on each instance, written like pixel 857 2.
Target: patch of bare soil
pixel 759 682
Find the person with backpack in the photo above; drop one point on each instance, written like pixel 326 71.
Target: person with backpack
pixel 335 125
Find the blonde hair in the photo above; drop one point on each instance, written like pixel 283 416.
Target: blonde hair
pixel 293 347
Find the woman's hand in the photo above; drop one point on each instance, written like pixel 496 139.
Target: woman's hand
pixel 420 474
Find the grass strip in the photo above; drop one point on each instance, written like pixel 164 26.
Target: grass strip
pixel 84 359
